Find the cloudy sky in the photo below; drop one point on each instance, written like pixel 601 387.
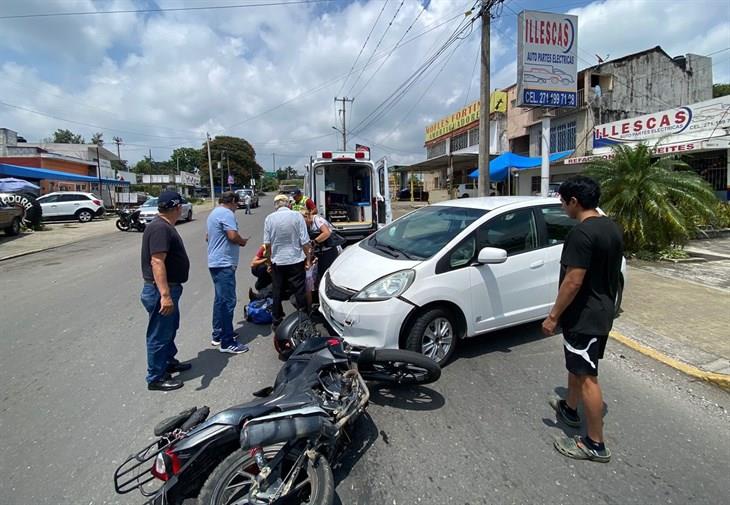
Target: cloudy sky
pixel 160 80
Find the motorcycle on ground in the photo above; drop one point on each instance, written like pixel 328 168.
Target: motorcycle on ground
pixel 129 220
pixel 279 448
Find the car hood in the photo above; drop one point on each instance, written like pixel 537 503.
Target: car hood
pixel 356 267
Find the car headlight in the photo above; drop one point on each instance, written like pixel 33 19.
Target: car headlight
pixel 386 287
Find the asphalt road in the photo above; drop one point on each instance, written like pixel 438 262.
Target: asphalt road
pixel 74 401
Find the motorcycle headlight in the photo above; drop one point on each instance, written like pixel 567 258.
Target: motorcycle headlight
pixel 386 287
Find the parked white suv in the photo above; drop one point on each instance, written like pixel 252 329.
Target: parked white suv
pixel 452 270
pixel 68 204
pixel 466 190
pixel 148 210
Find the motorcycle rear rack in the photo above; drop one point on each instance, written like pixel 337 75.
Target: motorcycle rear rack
pixel 140 466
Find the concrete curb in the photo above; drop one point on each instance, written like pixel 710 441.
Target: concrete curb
pixel 718 379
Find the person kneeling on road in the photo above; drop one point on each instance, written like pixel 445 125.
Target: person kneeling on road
pixel 261 269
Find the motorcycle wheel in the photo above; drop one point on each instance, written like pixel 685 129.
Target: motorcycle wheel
pixel 231 481
pixel 121 225
pixel 396 366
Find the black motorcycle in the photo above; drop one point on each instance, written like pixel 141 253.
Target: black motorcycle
pixel 129 220
pixel 277 449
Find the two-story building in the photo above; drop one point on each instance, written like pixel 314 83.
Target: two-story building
pixel 640 83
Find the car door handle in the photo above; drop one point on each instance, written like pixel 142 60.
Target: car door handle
pixel 537 264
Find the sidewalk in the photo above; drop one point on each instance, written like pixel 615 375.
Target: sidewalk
pixel 62 233
pixel 679 315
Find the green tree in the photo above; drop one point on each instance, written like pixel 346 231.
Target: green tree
pixel 657 202
pixel 65 137
pixel 98 139
pixel 719 90
pixel 188 158
pixel 235 152
pixel 283 174
pixel 269 184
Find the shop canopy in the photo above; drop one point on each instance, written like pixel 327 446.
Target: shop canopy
pixel 51 175
pixel 500 165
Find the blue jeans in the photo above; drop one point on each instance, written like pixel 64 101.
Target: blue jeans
pixel 224 282
pixel 161 331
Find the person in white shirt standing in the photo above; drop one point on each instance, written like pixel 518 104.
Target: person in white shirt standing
pixel 247 202
pixel 288 245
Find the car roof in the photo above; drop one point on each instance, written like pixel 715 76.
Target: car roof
pixel 68 193
pixel 489 203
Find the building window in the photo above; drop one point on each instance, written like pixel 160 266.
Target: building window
pixel 474 136
pixel 437 149
pixel 535 184
pixel 460 142
pixel 562 137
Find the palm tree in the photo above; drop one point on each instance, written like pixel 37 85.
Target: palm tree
pixel 657 202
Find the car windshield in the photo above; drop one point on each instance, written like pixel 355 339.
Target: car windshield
pixel 152 202
pixel 423 233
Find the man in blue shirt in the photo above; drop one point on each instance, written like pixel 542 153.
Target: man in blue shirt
pixel 224 242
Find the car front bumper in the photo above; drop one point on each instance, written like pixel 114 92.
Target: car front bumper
pixel 366 324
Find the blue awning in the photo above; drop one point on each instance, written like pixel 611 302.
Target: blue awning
pixel 500 165
pixel 51 175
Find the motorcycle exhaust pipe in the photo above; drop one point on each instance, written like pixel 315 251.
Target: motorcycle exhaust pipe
pixel 282 430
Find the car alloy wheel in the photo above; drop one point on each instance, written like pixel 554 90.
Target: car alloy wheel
pixel 438 337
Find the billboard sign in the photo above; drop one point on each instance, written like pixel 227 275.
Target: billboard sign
pixel 465 116
pixel 547 59
pixel 691 121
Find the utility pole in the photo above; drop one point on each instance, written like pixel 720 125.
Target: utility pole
pixel 228 169
pixel 220 165
pixel 210 170
pixel 117 141
pixel 484 86
pixel 343 111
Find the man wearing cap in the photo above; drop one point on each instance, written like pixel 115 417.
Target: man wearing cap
pixel 287 244
pixel 224 243
pixel 302 202
pixel 165 267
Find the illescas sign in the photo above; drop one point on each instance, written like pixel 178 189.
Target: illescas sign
pixel 547 53
pixel 465 116
pixel 690 120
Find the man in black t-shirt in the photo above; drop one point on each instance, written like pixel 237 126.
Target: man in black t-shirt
pixel 590 269
pixel 165 267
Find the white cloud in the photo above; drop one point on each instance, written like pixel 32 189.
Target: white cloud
pixel 163 80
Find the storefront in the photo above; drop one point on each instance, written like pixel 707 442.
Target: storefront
pixel 697 134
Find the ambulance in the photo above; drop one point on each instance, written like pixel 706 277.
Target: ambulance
pixel 350 191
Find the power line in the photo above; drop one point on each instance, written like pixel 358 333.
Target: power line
pixel 167 9
pixel 81 123
pixel 329 82
pixel 362 48
pixel 385 32
pixel 398 94
pixel 384 60
pixel 428 88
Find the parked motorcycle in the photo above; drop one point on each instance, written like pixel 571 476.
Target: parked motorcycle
pixel 129 220
pixel 277 449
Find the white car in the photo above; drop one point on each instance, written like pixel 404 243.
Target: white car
pixel 71 204
pixel 148 210
pixel 466 190
pixel 452 270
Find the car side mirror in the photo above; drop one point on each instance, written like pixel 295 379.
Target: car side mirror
pixel 491 256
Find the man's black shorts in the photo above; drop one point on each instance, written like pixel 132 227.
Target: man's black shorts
pixel 582 352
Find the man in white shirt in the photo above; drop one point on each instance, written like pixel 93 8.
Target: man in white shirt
pixel 247 202
pixel 287 243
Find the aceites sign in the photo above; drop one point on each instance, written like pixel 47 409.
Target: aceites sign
pixel 547 52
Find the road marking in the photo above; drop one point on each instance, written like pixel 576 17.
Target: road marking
pixel 719 379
